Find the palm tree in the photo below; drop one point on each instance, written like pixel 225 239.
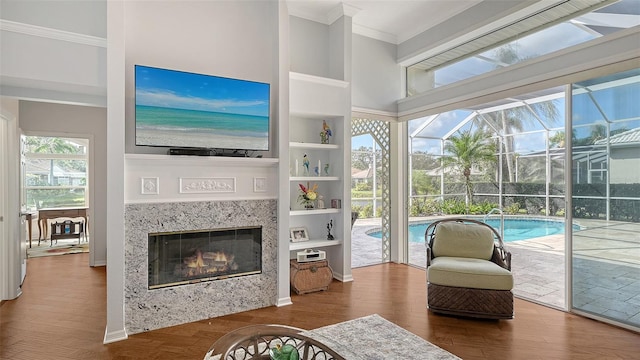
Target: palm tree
pixel 50 145
pixel 467 151
pixel 511 121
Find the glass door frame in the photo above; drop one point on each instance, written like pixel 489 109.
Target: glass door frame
pixel 569 233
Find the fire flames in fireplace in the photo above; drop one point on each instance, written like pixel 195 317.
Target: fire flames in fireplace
pixel 206 263
pixel 181 258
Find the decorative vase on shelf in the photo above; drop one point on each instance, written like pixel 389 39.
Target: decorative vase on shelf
pixel 308 195
pixel 320 202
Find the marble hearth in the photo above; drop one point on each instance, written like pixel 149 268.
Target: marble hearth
pixel 153 309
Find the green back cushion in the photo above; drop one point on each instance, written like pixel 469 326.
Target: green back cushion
pixel 463 240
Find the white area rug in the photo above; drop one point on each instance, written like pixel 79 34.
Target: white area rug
pixel 375 338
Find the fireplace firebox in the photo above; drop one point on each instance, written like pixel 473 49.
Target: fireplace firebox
pixel 186 257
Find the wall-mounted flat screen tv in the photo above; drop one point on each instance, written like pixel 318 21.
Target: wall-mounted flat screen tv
pixel 179 109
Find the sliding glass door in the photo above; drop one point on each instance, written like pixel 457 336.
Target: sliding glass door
pixel 606 197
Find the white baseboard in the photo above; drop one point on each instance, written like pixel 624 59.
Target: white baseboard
pixel 99 263
pixel 118 335
pixel 284 301
pixel 342 277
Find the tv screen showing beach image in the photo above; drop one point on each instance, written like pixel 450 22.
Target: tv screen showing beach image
pixel 187 110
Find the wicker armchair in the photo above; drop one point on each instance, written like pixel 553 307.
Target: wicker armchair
pixel 468 270
pixel 253 342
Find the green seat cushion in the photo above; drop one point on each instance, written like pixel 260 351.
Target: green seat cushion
pixel 463 240
pixel 469 273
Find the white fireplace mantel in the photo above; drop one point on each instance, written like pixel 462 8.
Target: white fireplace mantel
pixel 154 178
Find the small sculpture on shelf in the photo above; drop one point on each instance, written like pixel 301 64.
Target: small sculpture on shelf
pixel 329 227
pixel 326 169
pixel 326 133
pixel 316 171
pixel 320 202
pixel 305 164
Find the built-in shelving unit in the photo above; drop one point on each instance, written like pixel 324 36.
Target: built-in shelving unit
pixel 314 102
pixel 313 244
pixel 303 145
pixel 317 102
pixel 314 212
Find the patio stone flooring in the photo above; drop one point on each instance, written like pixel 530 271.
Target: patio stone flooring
pixel 607 266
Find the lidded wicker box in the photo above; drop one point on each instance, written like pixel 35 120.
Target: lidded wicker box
pixel 310 276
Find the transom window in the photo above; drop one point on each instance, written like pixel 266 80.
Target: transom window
pixel 550 37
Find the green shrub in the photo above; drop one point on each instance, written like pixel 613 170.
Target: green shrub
pixel 454 206
pixel 361 194
pixel 424 206
pixel 482 208
pixel 513 209
pixel 363 186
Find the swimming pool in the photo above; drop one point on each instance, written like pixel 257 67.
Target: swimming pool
pixel 514 229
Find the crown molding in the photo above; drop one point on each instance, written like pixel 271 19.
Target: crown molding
pixel 374 114
pixel 342 10
pixel 49 33
pixel 374 34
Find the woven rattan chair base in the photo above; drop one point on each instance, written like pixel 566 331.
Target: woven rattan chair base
pixel 479 303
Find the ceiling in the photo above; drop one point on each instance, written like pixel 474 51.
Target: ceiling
pixel 393 21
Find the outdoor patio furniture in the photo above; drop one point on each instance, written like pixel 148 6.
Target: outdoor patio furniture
pixel 468 270
pixel 354 217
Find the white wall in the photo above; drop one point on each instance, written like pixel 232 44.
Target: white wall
pixel 223 38
pixel 87 17
pixel 376 75
pixel 59 119
pixel 54 51
pixel 309 47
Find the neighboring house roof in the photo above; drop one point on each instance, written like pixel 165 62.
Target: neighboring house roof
pixel 43 167
pixel 627 137
pixel 449 170
pixel 361 174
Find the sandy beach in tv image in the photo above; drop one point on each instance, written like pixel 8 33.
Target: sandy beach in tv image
pixel 189 128
pixel 177 109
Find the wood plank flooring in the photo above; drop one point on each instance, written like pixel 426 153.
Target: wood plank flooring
pixel 61 315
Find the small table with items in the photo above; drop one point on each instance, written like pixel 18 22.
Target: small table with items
pixel 46 214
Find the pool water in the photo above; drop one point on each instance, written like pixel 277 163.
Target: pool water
pixel 514 229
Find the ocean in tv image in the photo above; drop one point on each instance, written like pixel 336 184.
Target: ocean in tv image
pixel 183 128
pixel 178 109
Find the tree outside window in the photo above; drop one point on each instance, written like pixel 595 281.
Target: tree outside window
pixel 55 172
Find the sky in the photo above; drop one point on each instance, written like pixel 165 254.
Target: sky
pixel 182 90
pixel 543 42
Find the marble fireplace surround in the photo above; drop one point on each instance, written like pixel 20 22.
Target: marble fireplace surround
pixel 153 309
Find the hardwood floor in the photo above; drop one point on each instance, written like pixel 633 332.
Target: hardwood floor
pixel 61 315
